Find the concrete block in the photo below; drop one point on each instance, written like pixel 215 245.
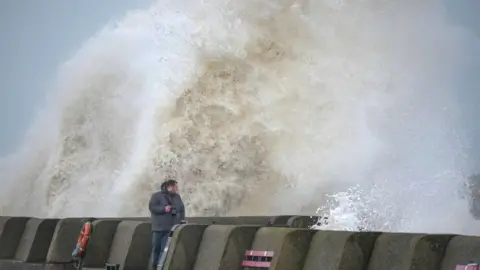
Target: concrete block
pixel 223 247
pixel 335 250
pixel 244 220
pixel 183 248
pixel 16 265
pixel 98 248
pixel 61 267
pixel 279 220
pixel 213 220
pixel 201 220
pixel 402 251
pixel 132 245
pixel 11 231
pixel 301 221
pixel 461 250
pixel 65 239
pixel 284 221
pixel 143 219
pixel 36 240
pixel 251 220
pixel 290 246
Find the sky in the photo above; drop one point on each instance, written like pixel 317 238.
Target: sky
pixel 35 38
pixel 38 36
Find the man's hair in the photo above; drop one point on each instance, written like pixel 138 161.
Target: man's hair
pixel 168 183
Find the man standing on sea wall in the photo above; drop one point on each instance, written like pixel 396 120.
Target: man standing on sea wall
pixel 167 209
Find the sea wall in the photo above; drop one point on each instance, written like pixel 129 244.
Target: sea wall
pixel 219 243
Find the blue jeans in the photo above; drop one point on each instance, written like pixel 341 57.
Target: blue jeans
pixel 159 240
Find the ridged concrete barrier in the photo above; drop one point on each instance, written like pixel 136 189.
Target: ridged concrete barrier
pixel 35 240
pixel 220 244
pixel 131 245
pixel 11 232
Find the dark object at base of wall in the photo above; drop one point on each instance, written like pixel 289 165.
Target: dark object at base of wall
pixel 110 266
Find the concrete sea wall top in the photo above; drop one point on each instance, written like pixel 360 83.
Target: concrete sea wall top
pixel 31 243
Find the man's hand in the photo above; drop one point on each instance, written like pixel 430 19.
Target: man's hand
pixel 168 208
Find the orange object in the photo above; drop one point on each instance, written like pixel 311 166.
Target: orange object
pixel 83 239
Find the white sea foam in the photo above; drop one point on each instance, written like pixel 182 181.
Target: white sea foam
pixel 257 107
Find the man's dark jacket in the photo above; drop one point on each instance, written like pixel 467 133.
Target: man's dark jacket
pixel 161 220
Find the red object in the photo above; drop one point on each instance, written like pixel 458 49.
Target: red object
pixel 83 238
pixel 257 259
pixel 256 264
pixel 471 266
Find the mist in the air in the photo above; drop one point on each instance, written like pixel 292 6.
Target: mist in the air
pixel 260 107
